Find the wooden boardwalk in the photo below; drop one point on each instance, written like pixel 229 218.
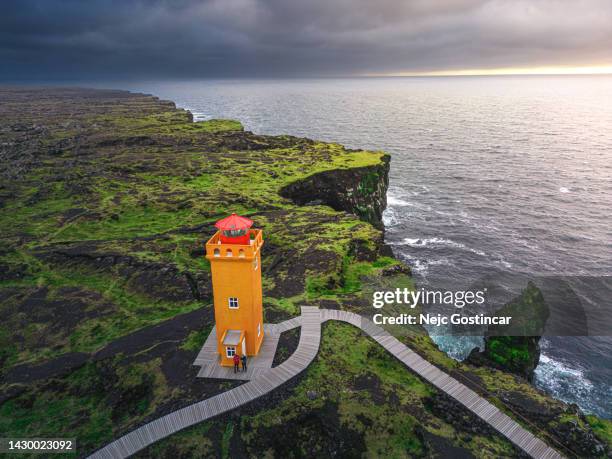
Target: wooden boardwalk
pixel 489 413
pixel 307 349
pixel 148 434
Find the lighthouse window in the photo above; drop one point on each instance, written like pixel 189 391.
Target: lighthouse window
pixel 259 329
pixel 233 302
pixel 230 351
pixel 255 263
pixel 234 233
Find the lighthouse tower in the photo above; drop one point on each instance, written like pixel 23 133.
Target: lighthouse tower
pixel 235 259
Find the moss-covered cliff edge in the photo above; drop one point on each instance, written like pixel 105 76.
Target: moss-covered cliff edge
pixel 360 190
pixel 107 199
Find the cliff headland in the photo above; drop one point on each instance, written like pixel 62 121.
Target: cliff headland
pixel 107 198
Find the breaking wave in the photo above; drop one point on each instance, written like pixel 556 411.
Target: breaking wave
pixel 418 242
pixel 393 201
pixel 565 382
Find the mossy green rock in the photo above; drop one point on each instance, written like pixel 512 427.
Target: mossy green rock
pixel 515 347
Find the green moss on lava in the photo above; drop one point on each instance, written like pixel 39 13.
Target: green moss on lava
pixel 355 400
pixel 602 428
pixel 108 199
pixel 507 353
pixel 515 347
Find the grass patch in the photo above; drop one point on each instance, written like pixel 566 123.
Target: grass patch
pixel 351 278
pixel 602 428
pixel 196 339
pixel 226 440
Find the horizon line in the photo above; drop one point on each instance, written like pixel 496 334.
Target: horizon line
pixel 502 71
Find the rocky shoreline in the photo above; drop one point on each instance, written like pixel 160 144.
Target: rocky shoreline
pixel 107 199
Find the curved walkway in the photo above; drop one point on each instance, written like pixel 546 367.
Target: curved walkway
pixel 177 420
pixel 486 411
pixel 305 353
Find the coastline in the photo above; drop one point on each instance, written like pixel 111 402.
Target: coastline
pixel 416 207
pixel 147 244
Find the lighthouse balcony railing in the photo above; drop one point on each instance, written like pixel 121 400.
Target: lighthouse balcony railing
pixel 217 249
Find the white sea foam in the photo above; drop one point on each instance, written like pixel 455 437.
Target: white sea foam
pixel 418 242
pixel 462 215
pixel 504 263
pixel 549 364
pixel 441 262
pixel 390 218
pixel 394 201
pixel 564 381
pixel 564 190
pixel 418 266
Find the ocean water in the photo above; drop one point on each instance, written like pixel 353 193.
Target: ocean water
pixel 491 177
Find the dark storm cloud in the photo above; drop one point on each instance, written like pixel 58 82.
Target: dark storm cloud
pixel 75 39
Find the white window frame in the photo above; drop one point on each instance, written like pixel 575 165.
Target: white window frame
pixel 255 263
pixel 259 329
pixel 232 302
pixel 230 351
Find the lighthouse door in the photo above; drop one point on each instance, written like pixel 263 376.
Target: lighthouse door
pixel 243 346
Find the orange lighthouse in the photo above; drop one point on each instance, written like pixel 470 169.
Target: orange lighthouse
pixel 235 259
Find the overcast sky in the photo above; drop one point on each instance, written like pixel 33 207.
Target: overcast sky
pixel 156 39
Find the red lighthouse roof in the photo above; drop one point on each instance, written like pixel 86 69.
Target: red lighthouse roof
pixel 234 222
